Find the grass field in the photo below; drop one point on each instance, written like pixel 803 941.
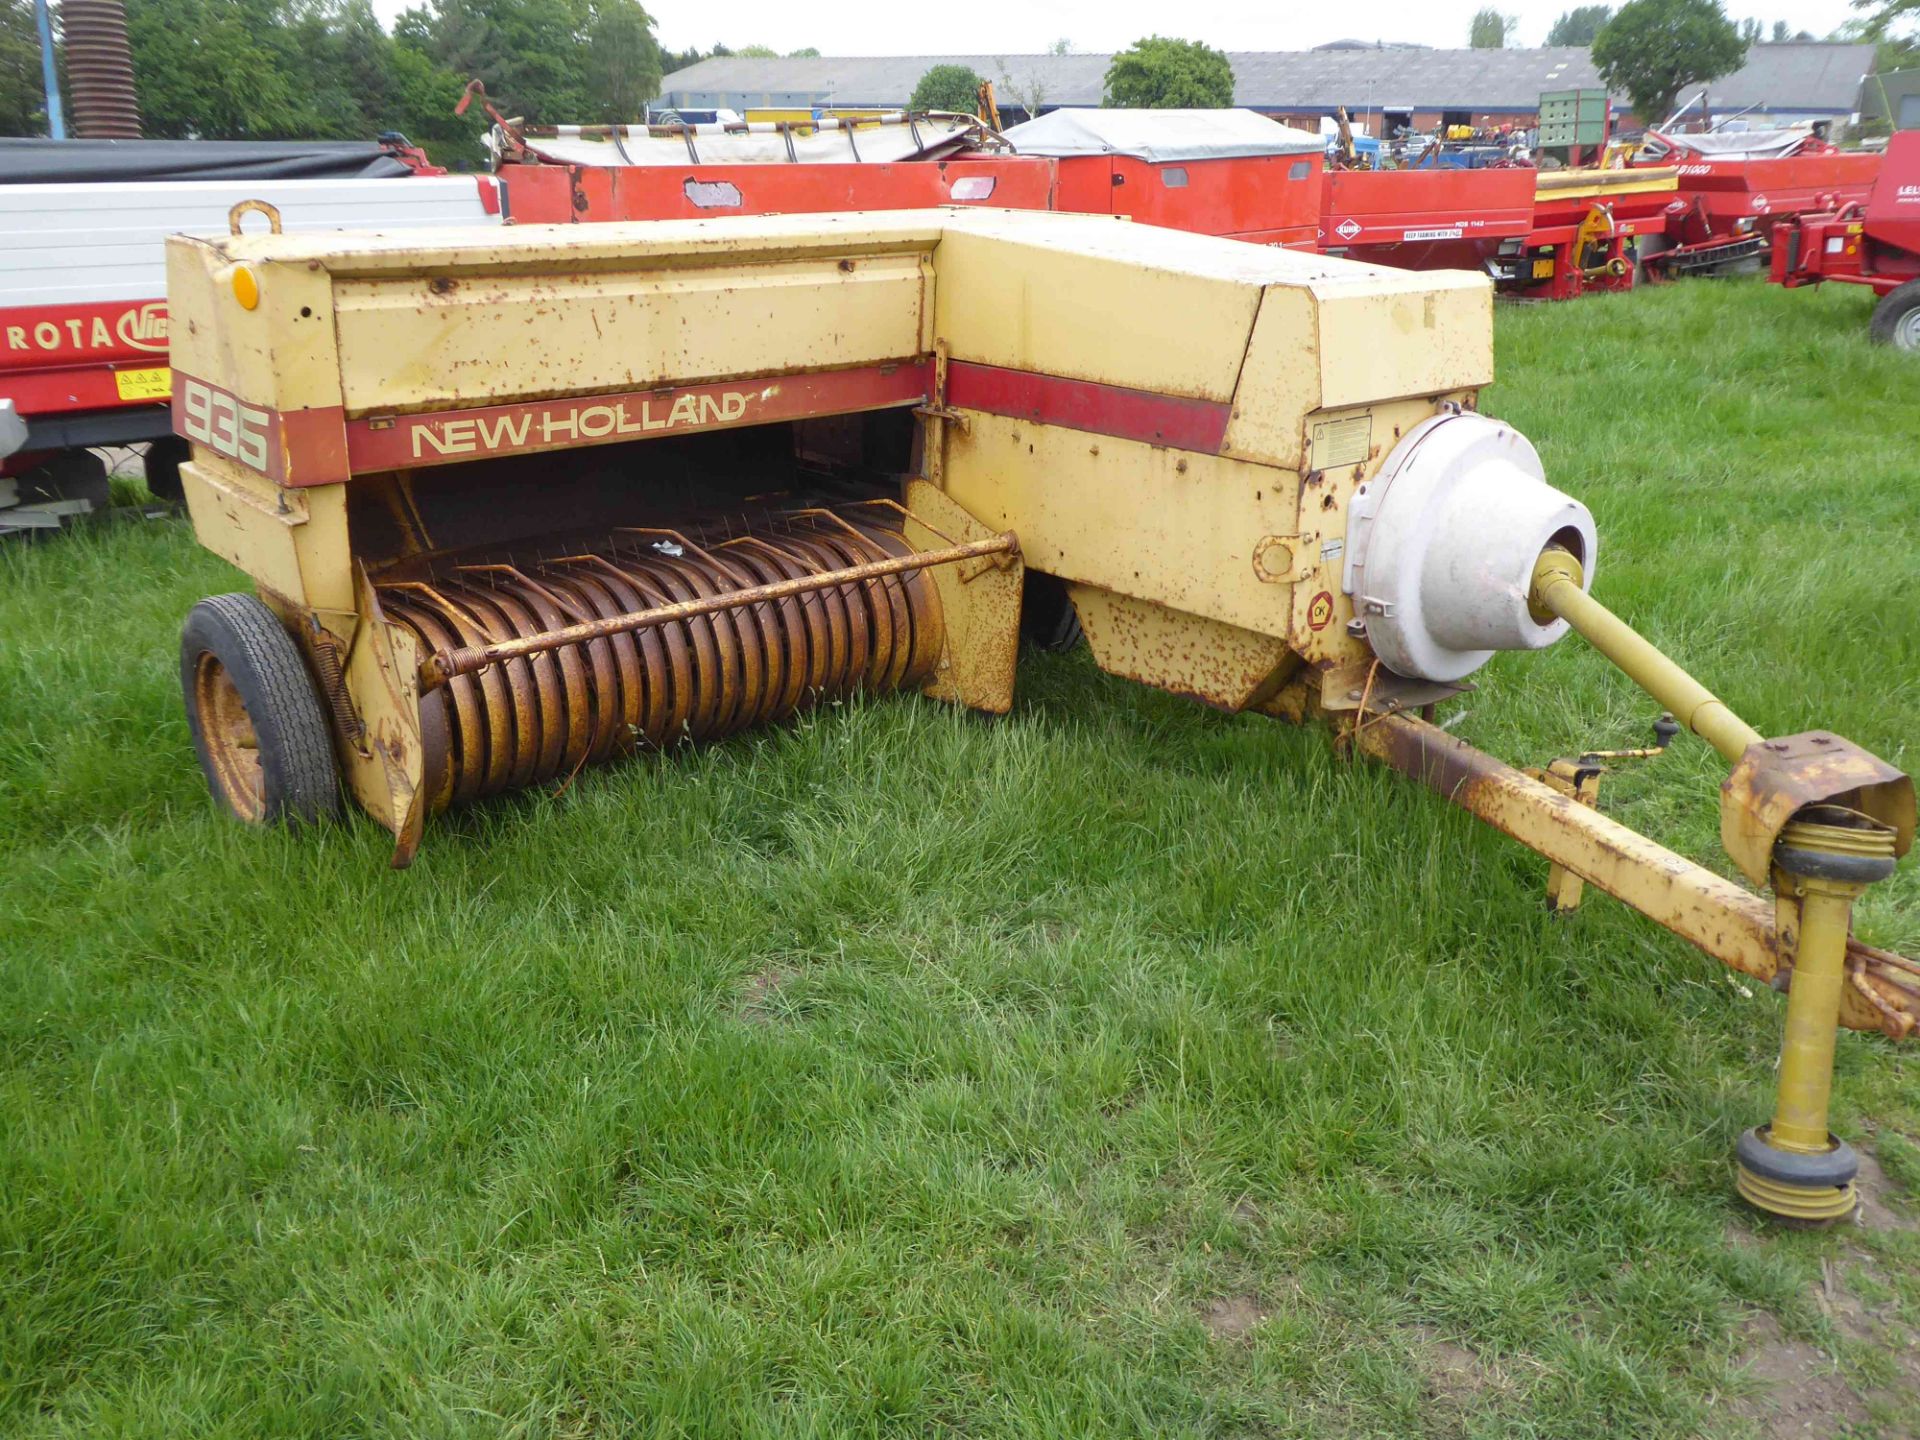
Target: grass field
pixel 1115 1068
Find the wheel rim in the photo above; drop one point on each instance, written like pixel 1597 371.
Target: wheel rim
pixel 233 749
pixel 1906 331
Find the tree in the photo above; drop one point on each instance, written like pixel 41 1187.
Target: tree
pixel 22 102
pixel 1579 25
pixel 1028 94
pixel 1060 47
pixel 757 52
pixel 1158 73
pixel 1887 18
pixel 810 52
pixel 1779 32
pixel 1489 30
pixel 531 53
pixel 947 87
pixel 1749 32
pixel 221 70
pixel 623 61
pixel 1653 49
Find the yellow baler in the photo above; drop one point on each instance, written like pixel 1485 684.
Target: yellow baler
pixel 517 501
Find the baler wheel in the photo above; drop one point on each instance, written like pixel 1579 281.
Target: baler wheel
pixel 256 718
pixel 1896 319
pixel 161 465
pixel 1048 620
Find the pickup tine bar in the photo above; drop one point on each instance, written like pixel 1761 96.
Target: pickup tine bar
pixel 444 665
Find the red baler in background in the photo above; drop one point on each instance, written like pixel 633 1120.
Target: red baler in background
pixel 1874 242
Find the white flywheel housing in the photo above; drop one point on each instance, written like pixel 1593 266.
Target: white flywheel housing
pixel 1441 545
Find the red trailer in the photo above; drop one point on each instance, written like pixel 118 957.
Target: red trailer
pixel 543 194
pixel 1736 188
pixel 1427 219
pixel 1218 172
pixel 1873 241
pixel 893 160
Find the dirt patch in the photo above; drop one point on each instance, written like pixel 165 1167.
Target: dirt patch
pixel 759 1002
pixel 1233 1316
pixel 1457 1379
pixel 1802 1396
pixel 1876 1213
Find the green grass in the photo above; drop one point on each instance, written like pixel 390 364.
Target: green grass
pixel 905 1073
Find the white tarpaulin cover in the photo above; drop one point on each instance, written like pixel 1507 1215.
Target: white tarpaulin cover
pixel 1736 145
pixel 761 143
pixel 1157 135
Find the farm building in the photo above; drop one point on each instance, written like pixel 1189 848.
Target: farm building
pixel 1401 84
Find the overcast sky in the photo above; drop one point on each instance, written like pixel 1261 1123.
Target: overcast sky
pixel 1023 27
pixel 1006 27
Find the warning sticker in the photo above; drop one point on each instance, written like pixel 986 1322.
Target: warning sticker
pixel 1342 442
pixel 1333 549
pixel 153 384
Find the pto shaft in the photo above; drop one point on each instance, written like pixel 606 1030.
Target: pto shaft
pixel 1558 591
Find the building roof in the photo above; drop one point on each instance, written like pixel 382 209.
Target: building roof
pixel 1810 77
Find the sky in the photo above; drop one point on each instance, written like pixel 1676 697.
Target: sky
pixel 1026 27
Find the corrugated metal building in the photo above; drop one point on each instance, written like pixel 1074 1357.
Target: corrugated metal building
pixel 1779 82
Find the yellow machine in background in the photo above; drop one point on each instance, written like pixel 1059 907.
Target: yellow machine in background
pixel 520 501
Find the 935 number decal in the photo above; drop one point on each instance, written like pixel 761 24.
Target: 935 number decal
pixel 223 424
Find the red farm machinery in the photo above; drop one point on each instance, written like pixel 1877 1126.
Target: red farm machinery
pixel 1737 189
pixel 1874 241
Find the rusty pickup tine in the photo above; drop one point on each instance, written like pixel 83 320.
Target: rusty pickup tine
pixel 905 514
pixel 443 665
pixel 440 602
pixel 558 601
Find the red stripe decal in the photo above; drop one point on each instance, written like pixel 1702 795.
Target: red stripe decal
pixel 1142 415
pixel 445 437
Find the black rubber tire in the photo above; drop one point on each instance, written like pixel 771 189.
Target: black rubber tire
pixel 162 466
pixel 299 782
pixel 1896 319
pixel 1048 620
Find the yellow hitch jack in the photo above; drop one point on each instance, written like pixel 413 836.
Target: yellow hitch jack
pixel 1822 820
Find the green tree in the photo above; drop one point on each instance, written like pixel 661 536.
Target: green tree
pixel 1489 30
pixel 1750 31
pixel 1158 73
pixel 1780 32
pixel 22 103
pixel 424 94
pixel 758 52
pixel 1060 47
pixel 1579 25
pixel 531 53
pixel 219 70
pixel 1896 20
pixel 810 52
pixel 946 87
pixel 623 61
pixel 1653 49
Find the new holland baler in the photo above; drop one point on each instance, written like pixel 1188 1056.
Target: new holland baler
pixel 519 501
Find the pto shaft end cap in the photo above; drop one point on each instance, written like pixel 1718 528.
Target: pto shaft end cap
pixel 1441 546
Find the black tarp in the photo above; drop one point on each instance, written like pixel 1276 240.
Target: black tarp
pixel 50 162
